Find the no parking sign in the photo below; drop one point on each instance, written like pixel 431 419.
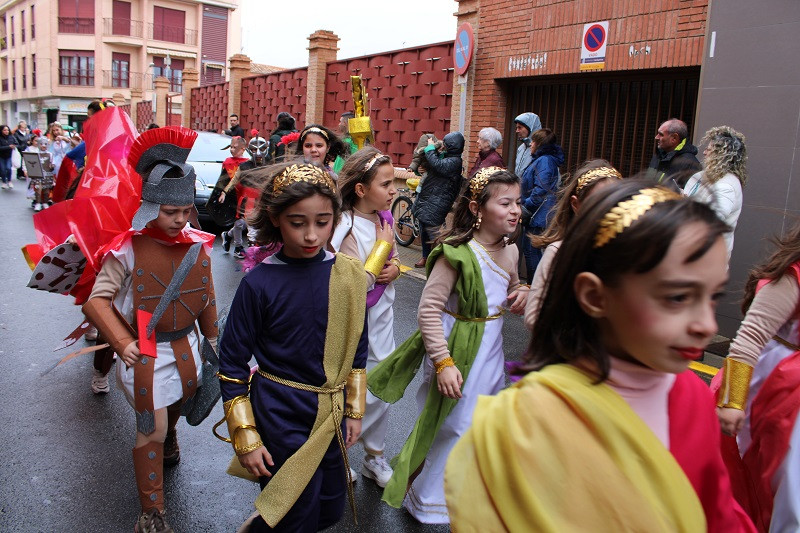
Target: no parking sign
pixel 593 46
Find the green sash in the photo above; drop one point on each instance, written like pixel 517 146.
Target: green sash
pixel 390 378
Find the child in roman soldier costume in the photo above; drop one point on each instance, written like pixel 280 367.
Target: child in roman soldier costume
pixel 152 292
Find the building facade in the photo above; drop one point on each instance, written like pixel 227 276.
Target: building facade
pixel 58 55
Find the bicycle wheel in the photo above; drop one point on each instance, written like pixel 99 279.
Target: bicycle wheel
pixel 404 221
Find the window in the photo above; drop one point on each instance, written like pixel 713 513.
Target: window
pixel 169 25
pixel 33 70
pixel 24 73
pixel 33 30
pixel 22 26
pixel 121 18
pixel 12 30
pixel 76 67
pixel 13 75
pixel 120 69
pixel 76 16
pixel 175 74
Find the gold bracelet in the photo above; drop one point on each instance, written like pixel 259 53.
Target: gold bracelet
pixel 377 257
pixel 444 363
pixel 735 384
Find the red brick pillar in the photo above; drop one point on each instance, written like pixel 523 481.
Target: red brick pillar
pixel 162 89
pixel 322 49
pixel 191 79
pixel 467 12
pixel 136 97
pixel 239 68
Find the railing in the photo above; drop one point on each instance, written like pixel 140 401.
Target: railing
pixel 162 32
pixel 75 25
pixel 125 27
pixel 76 76
pixel 132 80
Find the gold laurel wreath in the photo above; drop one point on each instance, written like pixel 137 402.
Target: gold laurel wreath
pixel 625 213
pixel 479 181
pixel 596 174
pixel 297 173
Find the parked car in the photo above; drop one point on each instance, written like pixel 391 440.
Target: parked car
pixel 207 155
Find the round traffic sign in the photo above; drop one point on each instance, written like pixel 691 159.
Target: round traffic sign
pixel 465 42
pixel 595 38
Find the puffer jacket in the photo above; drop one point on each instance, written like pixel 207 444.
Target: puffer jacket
pixel 532 122
pixel 540 184
pixel 443 182
pixel 679 165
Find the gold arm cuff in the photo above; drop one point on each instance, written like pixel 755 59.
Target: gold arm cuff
pixel 395 261
pixel 223 377
pixel 444 363
pixel 377 257
pixel 242 425
pixel 735 384
pixel 356 394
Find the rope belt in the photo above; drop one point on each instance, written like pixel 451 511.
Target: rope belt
pixel 786 343
pixel 337 421
pixel 476 319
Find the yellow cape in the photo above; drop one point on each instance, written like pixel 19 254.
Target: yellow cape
pixel 558 453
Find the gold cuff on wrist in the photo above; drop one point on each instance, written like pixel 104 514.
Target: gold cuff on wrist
pixel 242 425
pixel 356 394
pixel 444 363
pixel 735 384
pixel 377 257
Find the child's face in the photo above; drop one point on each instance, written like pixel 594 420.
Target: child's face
pixel 315 148
pixel 378 195
pixel 500 215
pixel 305 226
pixel 237 149
pixel 172 219
pixel 664 318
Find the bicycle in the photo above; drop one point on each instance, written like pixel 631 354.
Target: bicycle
pixel 406 225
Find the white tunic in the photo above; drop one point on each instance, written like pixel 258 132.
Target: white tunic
pixel 167 387
pixel 425 499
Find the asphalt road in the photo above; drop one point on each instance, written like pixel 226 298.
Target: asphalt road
pixel 66 453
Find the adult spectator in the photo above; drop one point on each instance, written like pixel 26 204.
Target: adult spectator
pixel 344 131
pixel 675 159
pixel 236 129
pixel 540 183
pixel 59 145
pixel 525 126
pixel 23 137
pixel 439 189
pixel 488 141
pixel 7 145
pixel 724 174
pixel 286 125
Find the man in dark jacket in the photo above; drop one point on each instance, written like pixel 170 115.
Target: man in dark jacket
pixel 236 129
pixel 675 159
pixel 440 188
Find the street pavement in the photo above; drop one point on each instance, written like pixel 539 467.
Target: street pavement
pixel 67 453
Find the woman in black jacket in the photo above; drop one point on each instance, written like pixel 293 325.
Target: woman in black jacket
pixel 7 145
pixel 439 189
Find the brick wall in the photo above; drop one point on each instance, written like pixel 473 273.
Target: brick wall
pixel 410 93
pixel 144 114
pixel 209 107
pixel 543 38
pixel 263 97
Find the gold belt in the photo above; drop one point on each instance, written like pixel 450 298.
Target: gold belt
pixel 476 319
pixel 337 421
pixel 786 343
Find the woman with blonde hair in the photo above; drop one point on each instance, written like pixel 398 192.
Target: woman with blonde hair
pixel 724 174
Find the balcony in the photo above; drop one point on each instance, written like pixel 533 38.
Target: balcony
pixel 76 25
pixel 130 80
pixel 122 27
pixel 162 32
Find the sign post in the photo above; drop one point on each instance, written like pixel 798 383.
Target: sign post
pixel 593 46
pixel 464 45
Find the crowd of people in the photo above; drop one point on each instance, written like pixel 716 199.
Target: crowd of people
pixel 624 272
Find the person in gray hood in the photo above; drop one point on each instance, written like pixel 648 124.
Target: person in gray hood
pixel 526 124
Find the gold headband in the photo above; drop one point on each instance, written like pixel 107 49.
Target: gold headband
pixel 297 173
pixel 314 129
pixel 480 180
pixel 372 161
pixel 596 174
pixel 625 213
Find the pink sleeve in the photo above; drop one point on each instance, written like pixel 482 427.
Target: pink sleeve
pixel 434 297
